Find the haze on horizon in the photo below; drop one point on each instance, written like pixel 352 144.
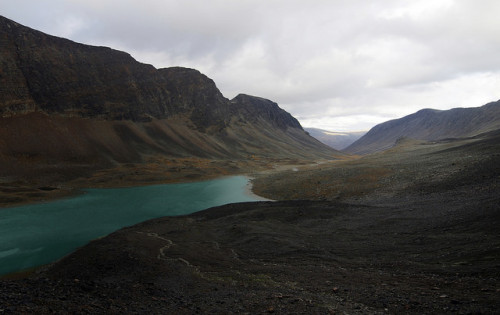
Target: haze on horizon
pixel 334 65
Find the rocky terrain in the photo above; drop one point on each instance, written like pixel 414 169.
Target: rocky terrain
pixel 336 140
pixel 429 124
pixel 411 230
pixel 411 168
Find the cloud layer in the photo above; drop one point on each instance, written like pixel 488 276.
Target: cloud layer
pixel 337 65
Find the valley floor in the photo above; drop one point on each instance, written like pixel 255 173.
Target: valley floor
pixel 410 230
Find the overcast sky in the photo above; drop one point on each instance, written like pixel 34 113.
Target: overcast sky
pixel 336 65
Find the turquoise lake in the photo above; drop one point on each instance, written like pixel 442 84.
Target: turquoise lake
pixel 38 234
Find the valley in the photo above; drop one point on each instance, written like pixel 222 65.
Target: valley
pixel 404 220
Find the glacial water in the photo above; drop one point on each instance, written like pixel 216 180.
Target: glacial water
pixel 38 234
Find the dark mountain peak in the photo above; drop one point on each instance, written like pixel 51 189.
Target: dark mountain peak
pixel 187 76
pixel 426 111
pixel 424 114
pixel 430 124
pixel 19 34
pixel 257 103
pixel 254 108
pixel 7 23
pixel 191 83
pixel 251 98
pixel 491 105
pixel 194 94
pixel 57 76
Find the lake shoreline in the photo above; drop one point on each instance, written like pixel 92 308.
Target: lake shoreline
pixel 33 235
pixel 20 274
pixel 21 192
pixel 69 192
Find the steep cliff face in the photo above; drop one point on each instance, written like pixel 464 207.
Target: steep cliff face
pixel 56 75
pixel 15 95
pixel 253 108
pixel 194 93
pixel 64 102
pixel 430 124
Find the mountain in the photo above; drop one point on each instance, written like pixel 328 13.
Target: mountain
pixel 67 107
pixel 336 140
pixel 430 124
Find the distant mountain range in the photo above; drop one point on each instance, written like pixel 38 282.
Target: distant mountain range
pixel 336 140
pixel 429 124
pixel 65 103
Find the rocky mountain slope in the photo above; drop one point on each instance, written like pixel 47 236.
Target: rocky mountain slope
pixel 430 124
pixel 336 140
pixel 69 108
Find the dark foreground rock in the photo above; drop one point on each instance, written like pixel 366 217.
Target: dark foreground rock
pixel 429 256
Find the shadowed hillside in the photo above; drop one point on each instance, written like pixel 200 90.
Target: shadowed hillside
pixel 430 124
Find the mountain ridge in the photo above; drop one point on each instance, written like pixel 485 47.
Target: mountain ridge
pixel 429 124
pixel 75 105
